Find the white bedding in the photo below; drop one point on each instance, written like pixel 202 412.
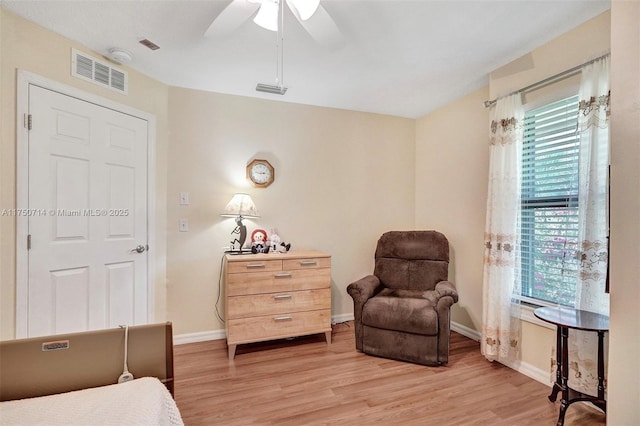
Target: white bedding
pixel 144 401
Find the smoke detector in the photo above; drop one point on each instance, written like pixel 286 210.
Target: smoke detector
pixel 120 56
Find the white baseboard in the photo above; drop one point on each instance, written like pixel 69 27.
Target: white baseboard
pixel 465 331
pixel 521 367
pixel 337 319
pixel 531 371
pixel 203 336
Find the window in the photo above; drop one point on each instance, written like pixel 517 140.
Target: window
pixel 549 209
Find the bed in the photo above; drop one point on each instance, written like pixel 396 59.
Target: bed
pixel 72 379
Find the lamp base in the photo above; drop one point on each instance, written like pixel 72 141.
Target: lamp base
pixel 234 252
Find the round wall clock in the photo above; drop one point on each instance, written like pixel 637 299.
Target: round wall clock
pixel 261 173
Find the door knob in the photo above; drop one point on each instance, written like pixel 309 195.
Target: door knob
pixel 140 249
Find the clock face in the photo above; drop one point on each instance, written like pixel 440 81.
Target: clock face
pixel 261 173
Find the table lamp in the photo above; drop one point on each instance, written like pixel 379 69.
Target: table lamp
pixel 241 206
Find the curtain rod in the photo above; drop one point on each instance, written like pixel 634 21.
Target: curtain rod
pixel 564 74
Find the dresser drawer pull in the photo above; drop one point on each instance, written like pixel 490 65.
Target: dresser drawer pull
pixel 308 263
pixel 282 296
pixel 281 319
pixel 283 275
pixel 255 265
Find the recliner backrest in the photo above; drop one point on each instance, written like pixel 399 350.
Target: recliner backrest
pixel 412 260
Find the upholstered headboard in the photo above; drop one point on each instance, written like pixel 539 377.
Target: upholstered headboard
pixel 54 364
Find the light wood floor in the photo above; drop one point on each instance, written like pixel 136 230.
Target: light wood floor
pixel 304 381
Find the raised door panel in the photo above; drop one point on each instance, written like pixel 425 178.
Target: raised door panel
pixel 121 293
pixel 62 306
pixel 70 199
pixel 121 201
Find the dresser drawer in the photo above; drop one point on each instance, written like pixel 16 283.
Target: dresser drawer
pixel 277 281
pixel 311 263
pixel 245 330
pixel 258 265
pixel 278 303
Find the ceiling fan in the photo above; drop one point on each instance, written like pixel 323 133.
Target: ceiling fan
pixel 309 13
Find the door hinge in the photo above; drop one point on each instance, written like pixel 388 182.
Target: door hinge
pixel 29 242
pixel 28 121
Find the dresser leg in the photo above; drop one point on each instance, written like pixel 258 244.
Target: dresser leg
pixel 327 334
pixel 232 351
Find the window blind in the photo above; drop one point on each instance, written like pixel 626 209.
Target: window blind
pixel 549 209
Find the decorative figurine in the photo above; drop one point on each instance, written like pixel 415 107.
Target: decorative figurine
pixel 274 241
pixel 241 230
pixel 259 241
pixel 284 247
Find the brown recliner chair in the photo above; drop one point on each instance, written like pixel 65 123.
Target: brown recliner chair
pixel 402 310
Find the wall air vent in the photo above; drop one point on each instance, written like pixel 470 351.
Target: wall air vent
pixel 98 72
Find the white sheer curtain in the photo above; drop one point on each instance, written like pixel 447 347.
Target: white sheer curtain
pixel 500 311
pixel 593 226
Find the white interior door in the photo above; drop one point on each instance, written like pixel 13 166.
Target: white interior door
pixel 87 196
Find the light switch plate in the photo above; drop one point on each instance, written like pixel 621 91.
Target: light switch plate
pixel 184 198
pixel 183 225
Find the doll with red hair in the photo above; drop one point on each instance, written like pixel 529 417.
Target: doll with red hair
pixel 259 241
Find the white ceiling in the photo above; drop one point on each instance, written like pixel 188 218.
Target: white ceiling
pixel 398 57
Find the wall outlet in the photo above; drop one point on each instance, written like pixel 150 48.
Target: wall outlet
pixel 183 225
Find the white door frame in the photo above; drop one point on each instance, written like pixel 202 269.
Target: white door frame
pixel 24 80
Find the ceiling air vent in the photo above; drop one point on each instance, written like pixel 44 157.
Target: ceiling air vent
pixel 98 72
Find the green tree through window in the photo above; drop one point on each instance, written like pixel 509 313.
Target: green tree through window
pixel 549 210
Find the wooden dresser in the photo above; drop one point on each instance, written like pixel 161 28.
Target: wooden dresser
pixel 274 296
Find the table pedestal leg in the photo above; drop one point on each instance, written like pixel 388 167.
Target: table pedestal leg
pixel 557 386
pixel 601 365
pixel 564 402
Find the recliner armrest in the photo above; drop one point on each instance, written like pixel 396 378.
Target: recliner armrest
pixel 446 288
pixel 364 289
pixel 361 291
pixel 443 288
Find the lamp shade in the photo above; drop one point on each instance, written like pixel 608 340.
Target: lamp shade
pixel 240 205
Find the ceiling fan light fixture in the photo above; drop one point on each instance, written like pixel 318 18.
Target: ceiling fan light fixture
pixel 305 8
pixel 267 16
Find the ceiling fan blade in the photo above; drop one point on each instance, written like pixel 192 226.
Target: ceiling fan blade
pixel 304 8
pixel 322 28
pixel 231 17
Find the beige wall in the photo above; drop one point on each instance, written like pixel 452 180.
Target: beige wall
pixel 452 165
pixel 342 178
pixel 31 48
pixel 452 168
pixel 624 343
pixel 585 42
